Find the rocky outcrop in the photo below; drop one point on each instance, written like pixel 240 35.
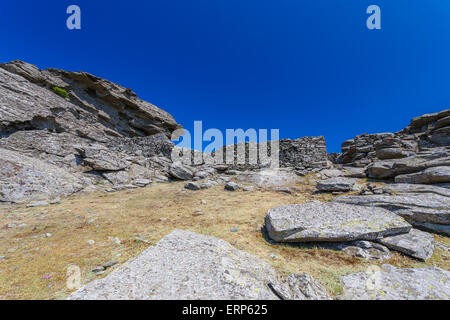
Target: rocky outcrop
pixel 79 125
pixel 205 268
pixel 424 133
pixel 95 108
pixel 332 222
pixel 390 283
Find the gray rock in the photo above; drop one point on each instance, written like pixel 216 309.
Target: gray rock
pixel 180 172
pixel 371 253
pixel 405 188
pixel 336 184
pixel 441 136
pixel 414 207
pixel 100 158
pixel 350 172
pixel 390 283
pixel 392 153
pixel 232 186
pixel 270 178
pixel 416 243
pixel 192 186
pixel 330 173
pixel 117 177
pixel 335 222
pixel 433 227
pixel 25 179
pixel 37 204
pixel 206 268
pixel 430 175
pixel 103 108
pixel 248 188
pixel 142 182
pixel 302 287
pixel 202 174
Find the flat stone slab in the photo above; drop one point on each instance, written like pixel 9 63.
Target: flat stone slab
pixel 336 184
pixel 188 266
pixel 327 221
pixel 420 207
pixel 390 283
pixel 416 243
pixel 398 188
pixel 430 175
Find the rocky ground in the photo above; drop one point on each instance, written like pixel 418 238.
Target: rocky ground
pixel 87 181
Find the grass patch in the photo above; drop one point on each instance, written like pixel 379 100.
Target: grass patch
pixel 61 92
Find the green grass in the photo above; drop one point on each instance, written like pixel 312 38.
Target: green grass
pixel 61 92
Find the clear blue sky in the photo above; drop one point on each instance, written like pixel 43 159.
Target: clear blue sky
pixel 306 67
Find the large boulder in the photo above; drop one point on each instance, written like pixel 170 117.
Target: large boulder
pixel 24 179
pixel 390 283
pixel 324 221
pixel 206 268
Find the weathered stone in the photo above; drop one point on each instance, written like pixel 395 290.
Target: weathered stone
pixel 142 182
pixel 269 178
pixel 100 158
pixel 350 172
pixel 25 179
pixel 390 283
pixel 441 136
pixel 192 186
pixel 416 243
pixel 336 184
pixel 401 188
pixel 302 287
pixel 414 207
pixel 105 108
pixel 117 177
pixel 37 204
pixel 371 253
pixel 205 268
pixel 321 221
pixel 430 175
pixel 180 172
pixel 433 227
pixel 232 186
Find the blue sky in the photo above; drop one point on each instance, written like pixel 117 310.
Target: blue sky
pixel 308 68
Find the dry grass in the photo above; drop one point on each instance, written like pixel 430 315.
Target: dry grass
pixel 35 265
